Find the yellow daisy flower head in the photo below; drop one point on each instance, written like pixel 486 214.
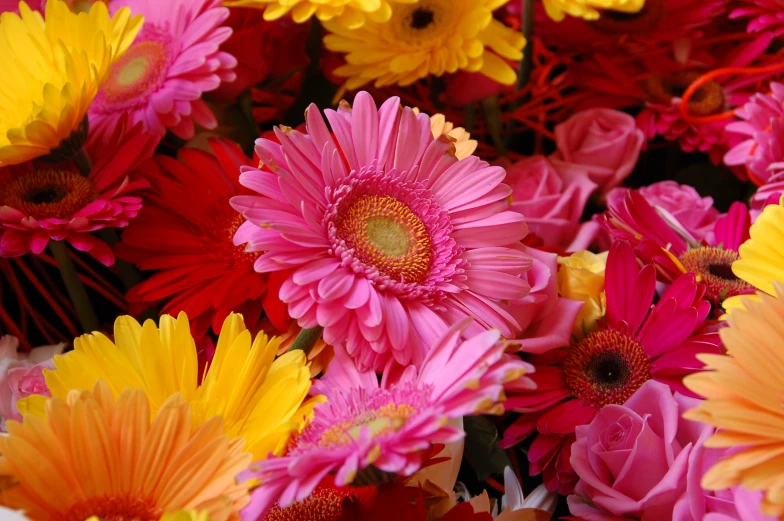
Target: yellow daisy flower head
pixel 589 9
pixel 51 70
pixel 262 400
pixel 430 37
pixel 350 14
pixel 743 398
pixel 92 454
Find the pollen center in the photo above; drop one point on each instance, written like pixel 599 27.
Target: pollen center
pixel 606 367
pixel 133 70
pixel 383 420
pixel 136 75
pixel 713 267
pixel 421 18
pixel 45 194
pixel 387 235
pixel 709 98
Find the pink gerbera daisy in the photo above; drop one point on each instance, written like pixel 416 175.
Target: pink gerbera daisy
pixel 637 342
pixel 390 237
pixel 185 232
pixel 659 238
pixel 42 201
pixel 367 429
pixel 174 59
pixel 766 15
pixel 763 151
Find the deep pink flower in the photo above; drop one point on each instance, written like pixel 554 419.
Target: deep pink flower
pixel 552 198
pixel 767 15
pixel 605 142
pixel 769 193
pixel 681 203
pixel 174 59
pixel 41 201
pixel 389 236
pixel 698 504
pixel 661 239
pixel 366 427
pixel 636 342
pixel 633 459
pixel 762 151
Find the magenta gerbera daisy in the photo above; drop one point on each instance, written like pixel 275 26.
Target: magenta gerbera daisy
pixel 185 232
pixel 766 15
pixel 637 342
pixel 659 238
pixel 174 59
pixel 41 201
pixel 389 236
pixel 367 431
pixel 762 152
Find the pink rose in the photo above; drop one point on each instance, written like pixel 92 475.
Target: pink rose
pixel 606 142
pixel 698 504
pixel 22 375
pixel 546 320
pixel 552 199
pixel 682 202
pixel 632 459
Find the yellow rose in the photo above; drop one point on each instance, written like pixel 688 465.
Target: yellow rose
pixel 581 277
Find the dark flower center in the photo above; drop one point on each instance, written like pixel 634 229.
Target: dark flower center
pixel 643 21
pixel 713 267
pixel 608 369
pixel 707 100
pixel 422 18
pixel 723 271
pixel 46 195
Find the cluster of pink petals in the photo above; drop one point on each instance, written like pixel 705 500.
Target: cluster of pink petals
pixel 114 157
pixel 762 151
pixel 457 378
pixel 766 15
pixel 191 33
pixel 476 258
pixel 672 333
pixel 769 193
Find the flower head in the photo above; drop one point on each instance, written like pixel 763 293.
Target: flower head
pixel 581 277
pixel 636 342
pixel 175 58
pixel 429 37
pixel 766 15
pixel 350 14
pixel 53 68
pixel 260 398
pixel 186 232
pixel 42 202
pixel 368 430
pixel 743 391
pixel 386 243
pixel 111 467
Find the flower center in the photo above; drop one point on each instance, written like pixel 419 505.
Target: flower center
pixel 323 504
pixel 713 267
pixel 387 235
pixel 606 367
pixel 83 6
pixel 137 74
pixel 709 99
pixel 114 509
pixel 644 20
pixel 45 194
pixel 221 238
pixel 424 21
pixel 421 18
pixel 383 420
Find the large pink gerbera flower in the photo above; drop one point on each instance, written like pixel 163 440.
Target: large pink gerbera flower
pixel 659 238
pixel 637 342
pixel 174 59
pixel 763 151
pixel 366 429
pixel 766 15
pixel 390 237
pixel 41 201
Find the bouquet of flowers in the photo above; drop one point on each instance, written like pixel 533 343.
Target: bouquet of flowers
pixel 405 260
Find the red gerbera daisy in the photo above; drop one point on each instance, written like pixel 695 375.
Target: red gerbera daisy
pixel 185 232
pixel 637 342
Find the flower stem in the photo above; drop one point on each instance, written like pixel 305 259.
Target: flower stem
pixel 492 109
pixel 79 297
pixel 528 56
pixel 306 339
pixel 82 160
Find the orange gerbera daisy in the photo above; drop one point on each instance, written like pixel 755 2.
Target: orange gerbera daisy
pixel 743 392
pixel 94 456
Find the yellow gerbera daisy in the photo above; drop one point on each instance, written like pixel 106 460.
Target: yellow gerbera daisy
pixel 51 71
pixel 431 37
pixel 92 455
pixel 259 397
pixel 743 392
pixel 350 14
pixel 589 9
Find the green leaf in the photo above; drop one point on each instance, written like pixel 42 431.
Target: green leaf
pixel 481 447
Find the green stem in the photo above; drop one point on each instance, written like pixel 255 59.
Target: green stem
pixel 79 297
pixel 82 160
pixel 492 109
pixel 528 56
pixel 306 339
